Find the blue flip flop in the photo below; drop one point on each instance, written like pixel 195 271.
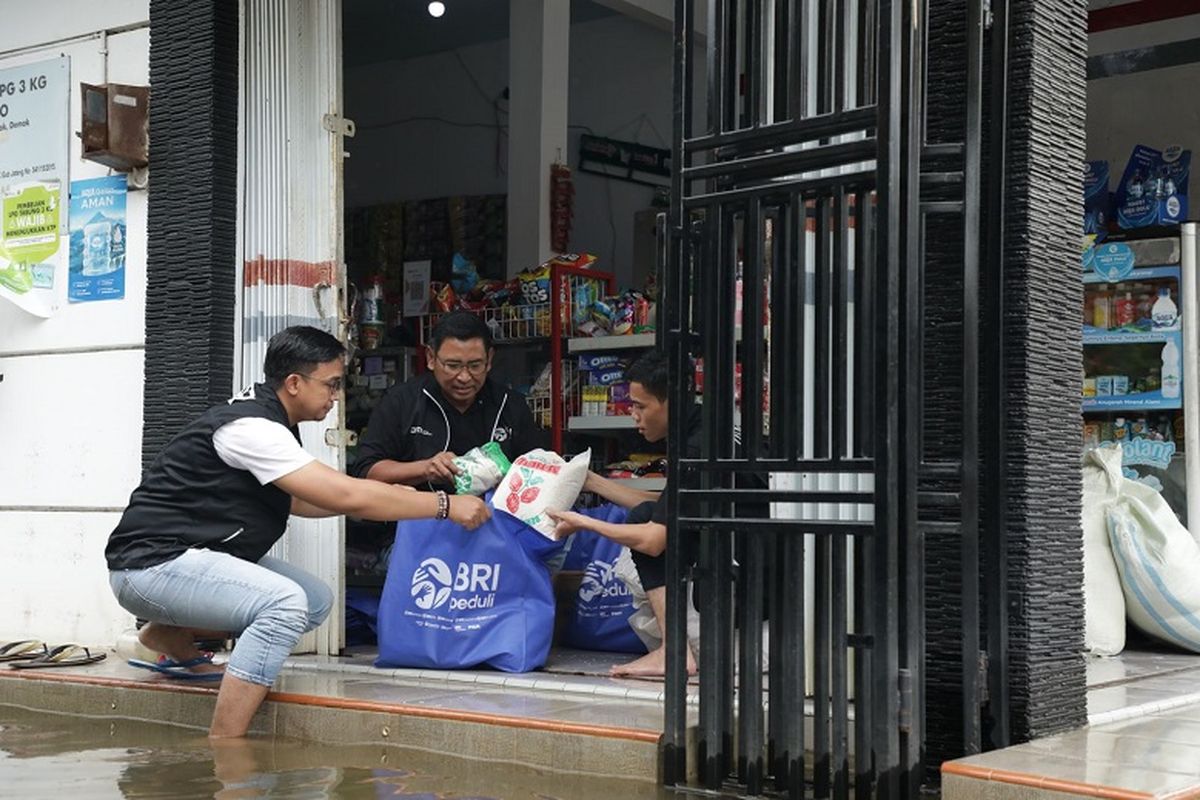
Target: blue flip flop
pixel 179 669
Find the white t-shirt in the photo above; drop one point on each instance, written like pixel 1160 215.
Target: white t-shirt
pixel 264 448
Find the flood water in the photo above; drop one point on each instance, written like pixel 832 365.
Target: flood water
pixel 47 755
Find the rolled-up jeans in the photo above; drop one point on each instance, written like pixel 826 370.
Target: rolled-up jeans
pixel 267 605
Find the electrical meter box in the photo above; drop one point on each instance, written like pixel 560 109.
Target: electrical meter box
pixel 116 125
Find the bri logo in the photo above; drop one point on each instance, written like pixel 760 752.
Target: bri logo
pixel 433 586
pixel 600 581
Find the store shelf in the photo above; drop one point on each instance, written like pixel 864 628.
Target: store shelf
pixel 584 424
pixel 1139 274
pixel 1152 337
pixel 1150 401
pixel 591 344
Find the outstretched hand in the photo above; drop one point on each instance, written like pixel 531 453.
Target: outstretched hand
pixel 567 522
pixel 469 511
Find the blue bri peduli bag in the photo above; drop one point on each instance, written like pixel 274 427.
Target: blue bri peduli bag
pixel 455 598
pixel 604 603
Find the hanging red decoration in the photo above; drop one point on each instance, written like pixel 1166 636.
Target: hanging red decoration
pixel 562 207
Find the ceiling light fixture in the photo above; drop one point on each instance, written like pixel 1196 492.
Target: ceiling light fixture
pixel 437 8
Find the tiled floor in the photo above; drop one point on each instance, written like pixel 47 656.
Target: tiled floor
pixel 1143 740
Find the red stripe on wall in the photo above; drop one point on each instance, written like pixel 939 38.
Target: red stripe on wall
pixel 287 272
pixel 1139 12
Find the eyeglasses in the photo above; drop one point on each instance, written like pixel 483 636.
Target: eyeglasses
pixel 334 385
pixel 475 368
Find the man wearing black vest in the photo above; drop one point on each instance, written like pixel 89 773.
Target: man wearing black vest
pixel 190 551
pixel 421 425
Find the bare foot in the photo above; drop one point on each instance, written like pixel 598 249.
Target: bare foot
pixel 651 665
pixel 178 644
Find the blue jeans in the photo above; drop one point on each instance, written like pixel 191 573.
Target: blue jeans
pixel 267 606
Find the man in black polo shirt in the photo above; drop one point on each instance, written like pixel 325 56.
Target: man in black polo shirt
pixel 420 426
pixel 645 530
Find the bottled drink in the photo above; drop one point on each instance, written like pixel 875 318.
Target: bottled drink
pixel 1170 369
pixel 1164 314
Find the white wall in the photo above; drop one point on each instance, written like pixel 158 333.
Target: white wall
pixel 71 397
pixel 620 70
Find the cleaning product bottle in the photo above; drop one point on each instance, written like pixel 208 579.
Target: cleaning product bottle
pixel 1170 369
pixel 1164 314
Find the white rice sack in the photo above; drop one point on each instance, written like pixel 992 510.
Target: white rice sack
pixel 1158 561
pixel 1103 599
pixel 482 469
pixel 541 481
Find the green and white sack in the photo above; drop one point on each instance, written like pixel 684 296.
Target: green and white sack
pixel 482 469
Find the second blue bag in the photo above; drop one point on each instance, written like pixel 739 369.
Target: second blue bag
pixel 604 604
pixel 455 598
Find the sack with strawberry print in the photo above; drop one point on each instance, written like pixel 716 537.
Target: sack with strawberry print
pixel 539 481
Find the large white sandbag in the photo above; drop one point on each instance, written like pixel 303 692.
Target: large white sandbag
pixel 1158 561
pixel 541 481
pixel 1103 600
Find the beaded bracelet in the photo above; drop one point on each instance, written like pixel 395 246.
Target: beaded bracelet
pixel 443 510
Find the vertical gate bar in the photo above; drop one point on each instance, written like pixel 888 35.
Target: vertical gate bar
pixel 885 635
pixel 840 279
pixel 715 66
pixel 969 487
pixel 750 682
pixel 777 656
pixel 781 85
pixel 789 776
pixel 864 272
pixel 864 759
pixel 797 60
pixel 822 753
pixel 841 706
pixel 868 22
pixel 839 10
pixel 752 332
pixel 754 64
pixel 680 253
pixel 994 391
pixel 910 568
pixel 826 56
pixel 734 97
pixel 725 642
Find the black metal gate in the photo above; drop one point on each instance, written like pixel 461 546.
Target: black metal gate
pixel 794 293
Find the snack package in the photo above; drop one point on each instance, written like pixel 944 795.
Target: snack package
pixel 1154 188
pixel 482 469
pixel 444 298
pixel 535 284
pixel 541 481
pixel 592 361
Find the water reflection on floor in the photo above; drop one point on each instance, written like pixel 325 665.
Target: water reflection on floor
pixel 45 755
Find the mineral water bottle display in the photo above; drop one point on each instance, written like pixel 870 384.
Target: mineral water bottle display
pixel 1164 313
pixel 1170 370
pixel 97 237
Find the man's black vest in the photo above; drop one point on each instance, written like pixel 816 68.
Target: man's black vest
pixel 191 498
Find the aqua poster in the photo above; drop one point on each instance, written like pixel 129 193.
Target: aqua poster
pixel 98 235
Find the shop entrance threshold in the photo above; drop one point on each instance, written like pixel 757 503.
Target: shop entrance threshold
pixel 1142 740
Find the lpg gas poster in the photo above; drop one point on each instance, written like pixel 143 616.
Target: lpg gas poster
pixel 97 270
pixel 34 125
